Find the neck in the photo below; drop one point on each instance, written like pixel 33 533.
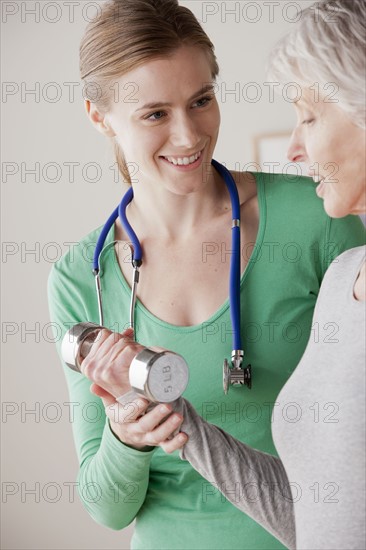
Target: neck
pixel 157 212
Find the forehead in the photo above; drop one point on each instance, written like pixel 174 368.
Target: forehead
pixel 178 75
pixel 310 99
pixel 306 99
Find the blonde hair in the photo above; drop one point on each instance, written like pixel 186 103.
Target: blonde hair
pixel 128 33
pixel 327 46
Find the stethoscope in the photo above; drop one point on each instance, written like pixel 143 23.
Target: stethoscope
pixel 235 374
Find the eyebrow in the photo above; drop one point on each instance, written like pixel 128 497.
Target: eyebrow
pixel 303 101
pixel 159 105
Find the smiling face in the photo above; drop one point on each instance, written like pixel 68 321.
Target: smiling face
pixel 333 149
pixel 169 121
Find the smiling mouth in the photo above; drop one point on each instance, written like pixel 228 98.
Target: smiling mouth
pixel 183 161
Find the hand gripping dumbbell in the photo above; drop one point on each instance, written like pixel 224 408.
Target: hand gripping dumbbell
pixel 160 377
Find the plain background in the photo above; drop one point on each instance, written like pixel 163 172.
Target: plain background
pixel 45 207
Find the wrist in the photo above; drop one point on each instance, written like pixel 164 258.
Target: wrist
pixel 113 426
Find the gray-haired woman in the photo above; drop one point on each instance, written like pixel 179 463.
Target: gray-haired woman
pixel 313 496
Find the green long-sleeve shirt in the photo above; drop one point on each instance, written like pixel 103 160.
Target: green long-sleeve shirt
pixel 174 506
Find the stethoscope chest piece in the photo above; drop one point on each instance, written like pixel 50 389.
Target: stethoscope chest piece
pixel 236 376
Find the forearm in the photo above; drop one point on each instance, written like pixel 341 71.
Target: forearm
pixel 255 482
pixel 113 482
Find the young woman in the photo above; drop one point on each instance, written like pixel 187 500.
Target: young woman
pixel 313 496
pixel 155 70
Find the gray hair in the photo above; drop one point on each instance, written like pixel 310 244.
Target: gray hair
pixel 327 47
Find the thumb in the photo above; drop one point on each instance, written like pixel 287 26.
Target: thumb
pixel 157 349
pixel 106 397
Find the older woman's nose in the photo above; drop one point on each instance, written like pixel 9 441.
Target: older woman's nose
pixel 296 151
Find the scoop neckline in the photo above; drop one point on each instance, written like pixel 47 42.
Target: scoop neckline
pixel 192 328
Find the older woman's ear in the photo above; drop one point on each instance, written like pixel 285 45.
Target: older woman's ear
pixel 99 121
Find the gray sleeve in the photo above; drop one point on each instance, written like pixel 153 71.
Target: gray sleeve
pixel 254 481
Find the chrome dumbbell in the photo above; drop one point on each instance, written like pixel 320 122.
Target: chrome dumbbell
pixel 160 377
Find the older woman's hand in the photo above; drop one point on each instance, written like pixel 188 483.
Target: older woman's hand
pixel 136 429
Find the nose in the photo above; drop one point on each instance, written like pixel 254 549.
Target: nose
pixel 296 151
pixel 184 132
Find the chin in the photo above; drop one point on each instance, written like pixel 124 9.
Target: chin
pixel 336 210
pixel 182 189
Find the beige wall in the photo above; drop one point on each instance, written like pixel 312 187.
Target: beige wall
pixel 40 216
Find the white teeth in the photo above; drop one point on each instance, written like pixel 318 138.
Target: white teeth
pixel 185 161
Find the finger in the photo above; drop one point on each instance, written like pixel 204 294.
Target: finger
pixel 129 349
pixel 116 351
pixel 104 342
pixel 106 397
pixel 174 444
pixel 100 392
pixel 157 349
pixel 107 402
pixel 154 417
pixel 98 352
pixel 103 335
pixel 166 430
pixel 112 337
pixel 106 339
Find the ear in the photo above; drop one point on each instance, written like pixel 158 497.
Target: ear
pixel 99 121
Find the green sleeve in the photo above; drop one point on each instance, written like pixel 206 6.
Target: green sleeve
pixel 113 478
pixel 341 235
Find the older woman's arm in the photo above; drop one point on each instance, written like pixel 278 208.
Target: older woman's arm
pixel 255 482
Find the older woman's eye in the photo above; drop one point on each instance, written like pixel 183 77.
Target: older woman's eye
pixel 308 121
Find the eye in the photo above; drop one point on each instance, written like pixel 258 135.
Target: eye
pixel 158 115
pixel 308 121
pixel 203 101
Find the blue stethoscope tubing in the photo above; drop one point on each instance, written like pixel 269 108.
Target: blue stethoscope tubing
pixel 234 284
pixel 235 269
